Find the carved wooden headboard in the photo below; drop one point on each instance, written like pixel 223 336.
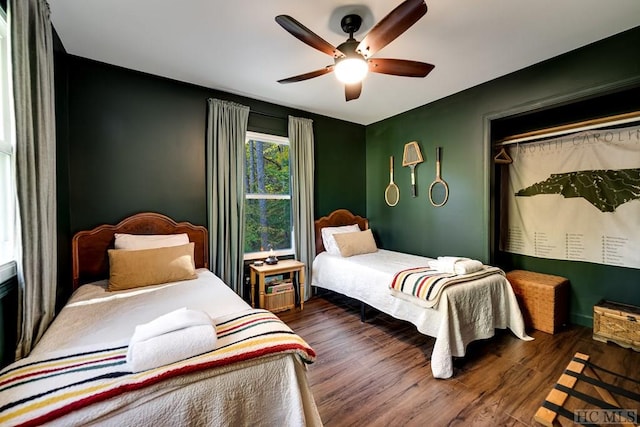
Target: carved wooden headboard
pixel 89 248
pixel 334 219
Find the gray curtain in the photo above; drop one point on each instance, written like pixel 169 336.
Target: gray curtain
pixel 226 133
pixel 32 64
pixel 301 164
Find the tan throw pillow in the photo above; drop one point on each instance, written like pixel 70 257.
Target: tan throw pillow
pixel 328 240
pixel 360 242
pixel 132 269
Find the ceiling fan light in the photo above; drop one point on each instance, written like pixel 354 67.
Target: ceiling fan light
pixel 351 70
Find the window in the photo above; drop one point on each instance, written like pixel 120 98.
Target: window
pixel 7 175
pixel 267 211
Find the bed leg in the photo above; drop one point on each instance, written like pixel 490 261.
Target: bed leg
pixel 363 312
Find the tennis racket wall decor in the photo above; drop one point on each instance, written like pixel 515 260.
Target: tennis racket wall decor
pixel 439 189
pixel 392 193
pixel 411 157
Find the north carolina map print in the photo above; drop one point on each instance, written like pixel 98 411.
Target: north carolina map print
pixel 604 189
pixel 574 197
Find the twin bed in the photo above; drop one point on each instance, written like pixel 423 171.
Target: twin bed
pixel 464 312
pixel 78 373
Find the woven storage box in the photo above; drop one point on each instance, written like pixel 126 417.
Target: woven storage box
pixel 617 322
pixel 280 301
pixel 543 299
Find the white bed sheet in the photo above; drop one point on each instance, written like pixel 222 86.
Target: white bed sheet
pixel 269 391
pixel 465 312
pixel 93 315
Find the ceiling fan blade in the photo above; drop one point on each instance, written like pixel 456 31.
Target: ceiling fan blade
pixel 307 36
pixel 307 76
pixel 352 91
pixel 391 26
pixel 400 67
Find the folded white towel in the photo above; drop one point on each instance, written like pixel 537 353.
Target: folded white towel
pixel 173 321
pixel 434 265
pixel 171 347
pixel 467 266
pixel 451 259
pixel 456 265
pixel 446 264
pixel 169 338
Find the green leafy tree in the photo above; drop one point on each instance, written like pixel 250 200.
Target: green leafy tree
pixel 268 218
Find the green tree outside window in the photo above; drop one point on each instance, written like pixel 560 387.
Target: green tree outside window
pixel 268 197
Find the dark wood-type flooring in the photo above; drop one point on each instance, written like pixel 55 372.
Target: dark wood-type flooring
pixel 378 373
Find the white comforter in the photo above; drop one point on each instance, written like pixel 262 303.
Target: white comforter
pixel 465 312
pixel 270 391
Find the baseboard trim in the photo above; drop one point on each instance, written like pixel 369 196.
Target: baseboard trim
pixel 581 319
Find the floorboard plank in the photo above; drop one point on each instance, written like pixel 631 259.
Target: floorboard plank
pixel 378 373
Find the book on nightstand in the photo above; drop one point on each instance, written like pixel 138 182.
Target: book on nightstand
pixel 279 287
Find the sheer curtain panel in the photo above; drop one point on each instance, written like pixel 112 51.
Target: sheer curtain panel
pixel 302 169
pixel 32 64
pixel 226 132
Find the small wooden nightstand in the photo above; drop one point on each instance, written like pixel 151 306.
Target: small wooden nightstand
pixel 260 272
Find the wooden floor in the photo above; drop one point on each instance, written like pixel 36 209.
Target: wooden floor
pixel 378 373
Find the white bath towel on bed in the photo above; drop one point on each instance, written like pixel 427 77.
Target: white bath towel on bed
pixel 467 266
pixel 456 265
pixel 169 338
pixel 446 264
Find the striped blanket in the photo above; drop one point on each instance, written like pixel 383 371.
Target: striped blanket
pixel 37 390
pixel 428 284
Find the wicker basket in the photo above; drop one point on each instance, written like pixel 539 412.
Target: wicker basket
pixel 617 322
pixel 280 301
pixel 543 299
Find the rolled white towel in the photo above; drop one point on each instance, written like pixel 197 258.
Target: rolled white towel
pixel 169 338
pixel 171 347
pixel 467 266
pixel 172 321
pixel 446 264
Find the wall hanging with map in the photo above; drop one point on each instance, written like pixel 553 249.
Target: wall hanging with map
pixel 575 197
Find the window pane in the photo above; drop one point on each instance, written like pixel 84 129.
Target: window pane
pixel 7 179
pixel 267 222
pixel 266 167
pixel 6 247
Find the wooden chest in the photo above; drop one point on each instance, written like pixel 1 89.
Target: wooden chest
pixel 617 322
pixel 543 299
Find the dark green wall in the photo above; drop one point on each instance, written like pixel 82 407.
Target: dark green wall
pixel 461 124
pixel 136 143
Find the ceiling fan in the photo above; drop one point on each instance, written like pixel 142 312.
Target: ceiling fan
pixel 352 59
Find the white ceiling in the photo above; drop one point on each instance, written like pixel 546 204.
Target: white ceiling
pixel 236 45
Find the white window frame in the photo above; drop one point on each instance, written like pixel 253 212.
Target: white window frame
pixel 7 147
pixel 264 137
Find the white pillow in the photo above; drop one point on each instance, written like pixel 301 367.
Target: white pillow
pixel 149 241
pixel 329 242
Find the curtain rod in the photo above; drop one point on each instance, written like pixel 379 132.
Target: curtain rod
pixel 617 119
pixel 267 114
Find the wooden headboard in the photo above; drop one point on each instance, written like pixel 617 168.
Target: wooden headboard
pixel 334 219
pixel 89 247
